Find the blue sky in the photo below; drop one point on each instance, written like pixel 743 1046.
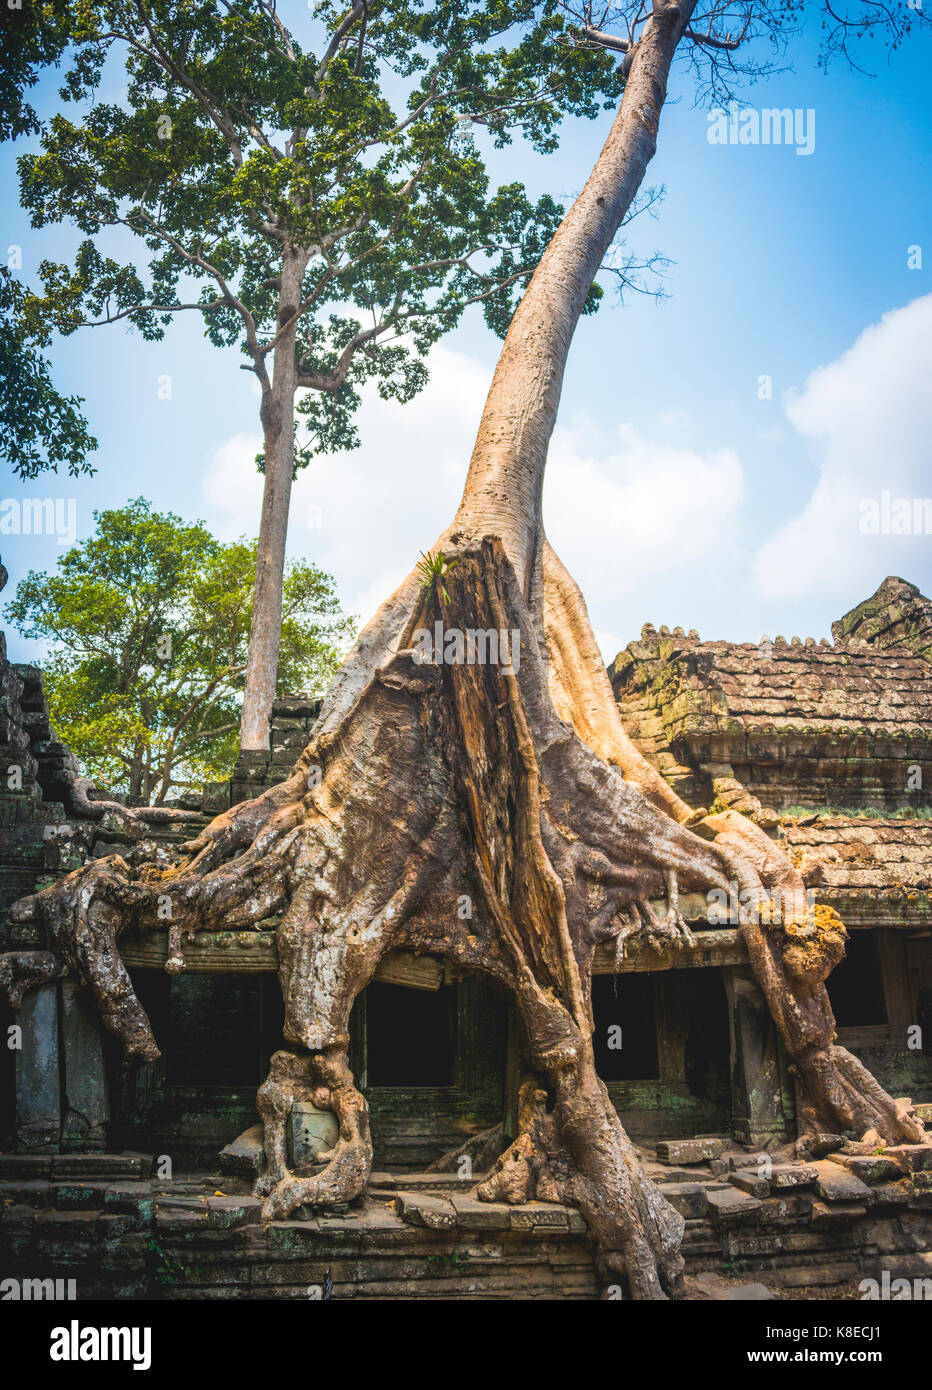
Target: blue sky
pixel 675 494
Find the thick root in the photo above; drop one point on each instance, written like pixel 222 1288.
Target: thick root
pixel 425 783
pixel 324 1078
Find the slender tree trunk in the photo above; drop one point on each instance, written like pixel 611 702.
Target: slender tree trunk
pixel 502 495
pixel 278 428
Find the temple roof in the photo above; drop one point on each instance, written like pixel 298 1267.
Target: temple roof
pixel 876 677
pixel 867 856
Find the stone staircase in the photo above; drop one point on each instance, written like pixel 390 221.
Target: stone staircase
pixel 790 1230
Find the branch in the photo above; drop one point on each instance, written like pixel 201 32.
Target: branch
pixel 605 40
pixel 332 381
pixel 728 44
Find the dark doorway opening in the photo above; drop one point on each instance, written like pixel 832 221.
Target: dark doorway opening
pixel 855 987
pixel 625 1036
pixel 410 1035
pixel 708 1041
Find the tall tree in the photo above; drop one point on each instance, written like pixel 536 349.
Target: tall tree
pixel 148 622
pixel 498 775
pixel 322 205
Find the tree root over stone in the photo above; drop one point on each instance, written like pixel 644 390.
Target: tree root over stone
pixel 507 787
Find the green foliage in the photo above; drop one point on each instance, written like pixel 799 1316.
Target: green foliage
pixel 41 428
pixel 148 622
pixel 240 146
pixel 432 569
pixel 34 37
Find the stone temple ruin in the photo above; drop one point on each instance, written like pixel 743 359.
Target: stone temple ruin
pixel 139 1184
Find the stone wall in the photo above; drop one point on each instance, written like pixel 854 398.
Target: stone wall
pixel 119 1232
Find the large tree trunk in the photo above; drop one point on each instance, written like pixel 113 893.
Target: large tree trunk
pixel 278 431
pixel 508 781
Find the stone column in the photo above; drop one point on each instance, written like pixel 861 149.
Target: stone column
pixel 759 1113
pixel 86 1093
pixel 38 1081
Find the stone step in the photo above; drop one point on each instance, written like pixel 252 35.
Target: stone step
pixel 687 1151
pixel 93 1167
pixel 837 1184
pixel 730 1207
pixel 870 1168
pixel 423 1182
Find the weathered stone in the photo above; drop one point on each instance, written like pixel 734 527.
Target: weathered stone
pixel 472 1215
pixel 225 1213
pixel 729 1207
pixel 745 1163
pixel 688 1151
pixel 115 1225
pixel 892 1194
pixel 793 1175
pixel 750 1182
pixel 837 1211
pixel 38 1085
pixel 76 1196
pixel 867 1167
pixel 180 1220
pixel 420 1209
pixel 538 1214
pixel 835 1184
pixel 292 1239
pixel 310 1132
pixel 245 1156
pixel 815 1146
pixel 131 1198
pixel 106 1167
pixel 757 1113
pixel 62 1229
pixel 714 1287
pixel 87 1108
pixel 35 1193
pixel 910 1158
pixel 689 1198
pixel 30 1166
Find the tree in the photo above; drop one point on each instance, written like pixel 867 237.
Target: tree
pixel 149 622
pixel 41 427
pixel 497 776
pixel 327 211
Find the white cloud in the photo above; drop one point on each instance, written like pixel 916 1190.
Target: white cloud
pixel 619 508
pixel 868 416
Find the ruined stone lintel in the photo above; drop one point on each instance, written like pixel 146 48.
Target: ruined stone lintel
pixel 250 952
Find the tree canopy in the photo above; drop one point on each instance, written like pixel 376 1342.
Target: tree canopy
pixel 148 622
pixel 41 427
pixel 234 141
